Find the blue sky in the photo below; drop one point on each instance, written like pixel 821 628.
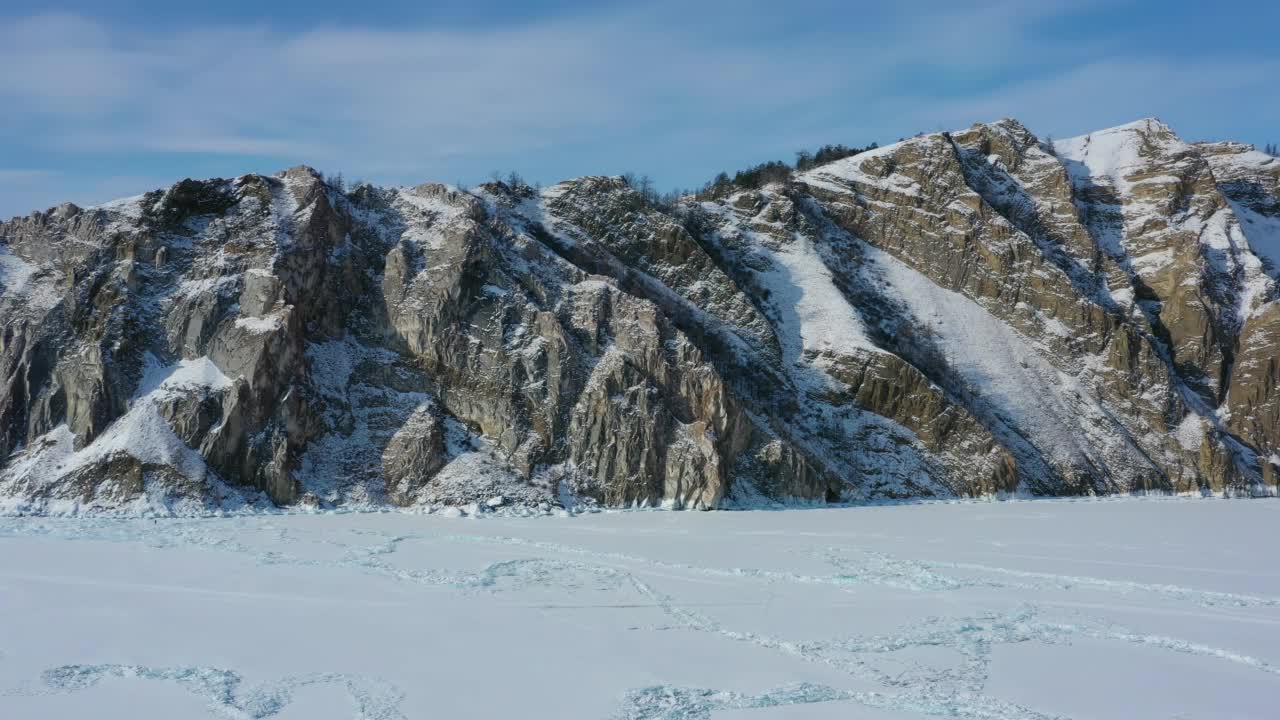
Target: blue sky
pixel 106 99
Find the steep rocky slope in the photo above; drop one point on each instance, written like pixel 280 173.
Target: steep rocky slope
pixel 963 313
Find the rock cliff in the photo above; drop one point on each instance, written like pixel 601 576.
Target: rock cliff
pixel 960 314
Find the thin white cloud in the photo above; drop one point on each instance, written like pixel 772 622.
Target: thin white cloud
pixel 619 86
pixel 241 90
pixel 344 93
pixel 19 175
pixel 195 142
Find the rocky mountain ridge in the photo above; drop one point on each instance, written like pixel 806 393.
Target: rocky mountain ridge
pixel 959 314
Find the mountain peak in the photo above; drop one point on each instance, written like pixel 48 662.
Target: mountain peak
pixel 1148 126
pixel 300 171
pixel 846 336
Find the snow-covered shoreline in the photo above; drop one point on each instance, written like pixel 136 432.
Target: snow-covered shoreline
pixel 500 507
pixel 890 612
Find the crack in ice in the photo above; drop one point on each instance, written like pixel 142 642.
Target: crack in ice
pixel 224 691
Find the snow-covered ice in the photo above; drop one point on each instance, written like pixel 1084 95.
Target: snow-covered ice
pixel 1118 608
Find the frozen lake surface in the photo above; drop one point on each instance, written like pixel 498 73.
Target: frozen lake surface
pixel 1133 608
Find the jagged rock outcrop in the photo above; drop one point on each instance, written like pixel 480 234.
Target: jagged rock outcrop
pixel 413 456
pixel 966 313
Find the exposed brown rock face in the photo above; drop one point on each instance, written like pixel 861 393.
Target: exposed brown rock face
pixel 962 313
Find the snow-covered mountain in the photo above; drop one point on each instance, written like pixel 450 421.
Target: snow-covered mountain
pixel 958 314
